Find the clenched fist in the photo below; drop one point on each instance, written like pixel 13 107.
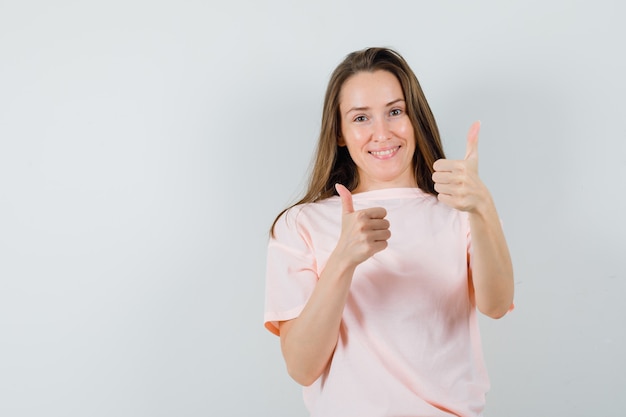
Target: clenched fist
pixel 363 232
pixel 457 181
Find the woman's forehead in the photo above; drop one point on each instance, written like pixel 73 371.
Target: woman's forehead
pixel 370 89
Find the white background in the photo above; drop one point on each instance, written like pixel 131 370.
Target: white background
pixel 146 146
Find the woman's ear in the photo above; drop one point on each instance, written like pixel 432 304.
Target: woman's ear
pixel 340 141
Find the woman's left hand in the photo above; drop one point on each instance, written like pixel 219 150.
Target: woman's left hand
pixel 457 181
pixel 459 186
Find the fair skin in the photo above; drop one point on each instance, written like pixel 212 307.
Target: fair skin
pixel 460 187
pixel 377 131
pixel 380 139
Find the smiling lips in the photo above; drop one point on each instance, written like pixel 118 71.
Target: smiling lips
pixel 385 154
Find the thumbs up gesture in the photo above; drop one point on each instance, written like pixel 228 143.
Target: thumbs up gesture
pixel 363 232
pixel 457 181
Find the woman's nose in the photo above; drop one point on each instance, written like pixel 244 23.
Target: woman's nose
pixel 381 130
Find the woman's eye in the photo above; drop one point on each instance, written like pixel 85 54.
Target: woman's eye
pixel 395 112
pixel 360 119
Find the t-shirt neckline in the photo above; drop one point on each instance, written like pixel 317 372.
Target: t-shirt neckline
pixel 385 193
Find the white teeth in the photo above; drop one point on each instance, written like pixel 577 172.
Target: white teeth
pixel 383 153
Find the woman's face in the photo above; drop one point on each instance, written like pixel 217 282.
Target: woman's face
pixel 377 131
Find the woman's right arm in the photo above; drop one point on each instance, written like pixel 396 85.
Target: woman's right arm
pixel 308 341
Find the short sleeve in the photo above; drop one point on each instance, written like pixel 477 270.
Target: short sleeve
pixel 291 272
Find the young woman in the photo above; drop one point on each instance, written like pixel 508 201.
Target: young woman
pixel 375 276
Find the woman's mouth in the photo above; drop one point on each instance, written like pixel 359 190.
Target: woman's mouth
pixel 385 153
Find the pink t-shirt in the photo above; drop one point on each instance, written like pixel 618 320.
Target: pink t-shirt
pixel 409 343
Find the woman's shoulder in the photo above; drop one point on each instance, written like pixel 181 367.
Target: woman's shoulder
pixel 315 208
pixel 306 215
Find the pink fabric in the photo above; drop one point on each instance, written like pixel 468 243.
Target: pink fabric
pixel 409 343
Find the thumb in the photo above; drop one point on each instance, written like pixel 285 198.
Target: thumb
pixel 472 141
pixel 346 199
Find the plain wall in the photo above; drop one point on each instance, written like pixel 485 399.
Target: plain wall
pixel 146 146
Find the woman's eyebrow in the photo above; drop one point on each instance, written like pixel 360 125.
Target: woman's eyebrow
pixel 391 103
pixel 357 109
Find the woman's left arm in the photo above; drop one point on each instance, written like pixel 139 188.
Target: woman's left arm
pixel 460 187
pixel 492 270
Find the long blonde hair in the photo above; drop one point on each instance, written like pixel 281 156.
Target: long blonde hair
pixel 333 163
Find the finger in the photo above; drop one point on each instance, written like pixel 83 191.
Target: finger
pixel 448 165
pixel 443 189
pixel 378 224
pixel 375 212
pixel 472 141
pixel 440 164
pixel 346 199
pixel 446 199
pixel 380 235
pixel 442 177
pixel 379 246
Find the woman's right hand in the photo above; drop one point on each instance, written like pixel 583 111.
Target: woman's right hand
pixel 308 341
pixel 363 232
